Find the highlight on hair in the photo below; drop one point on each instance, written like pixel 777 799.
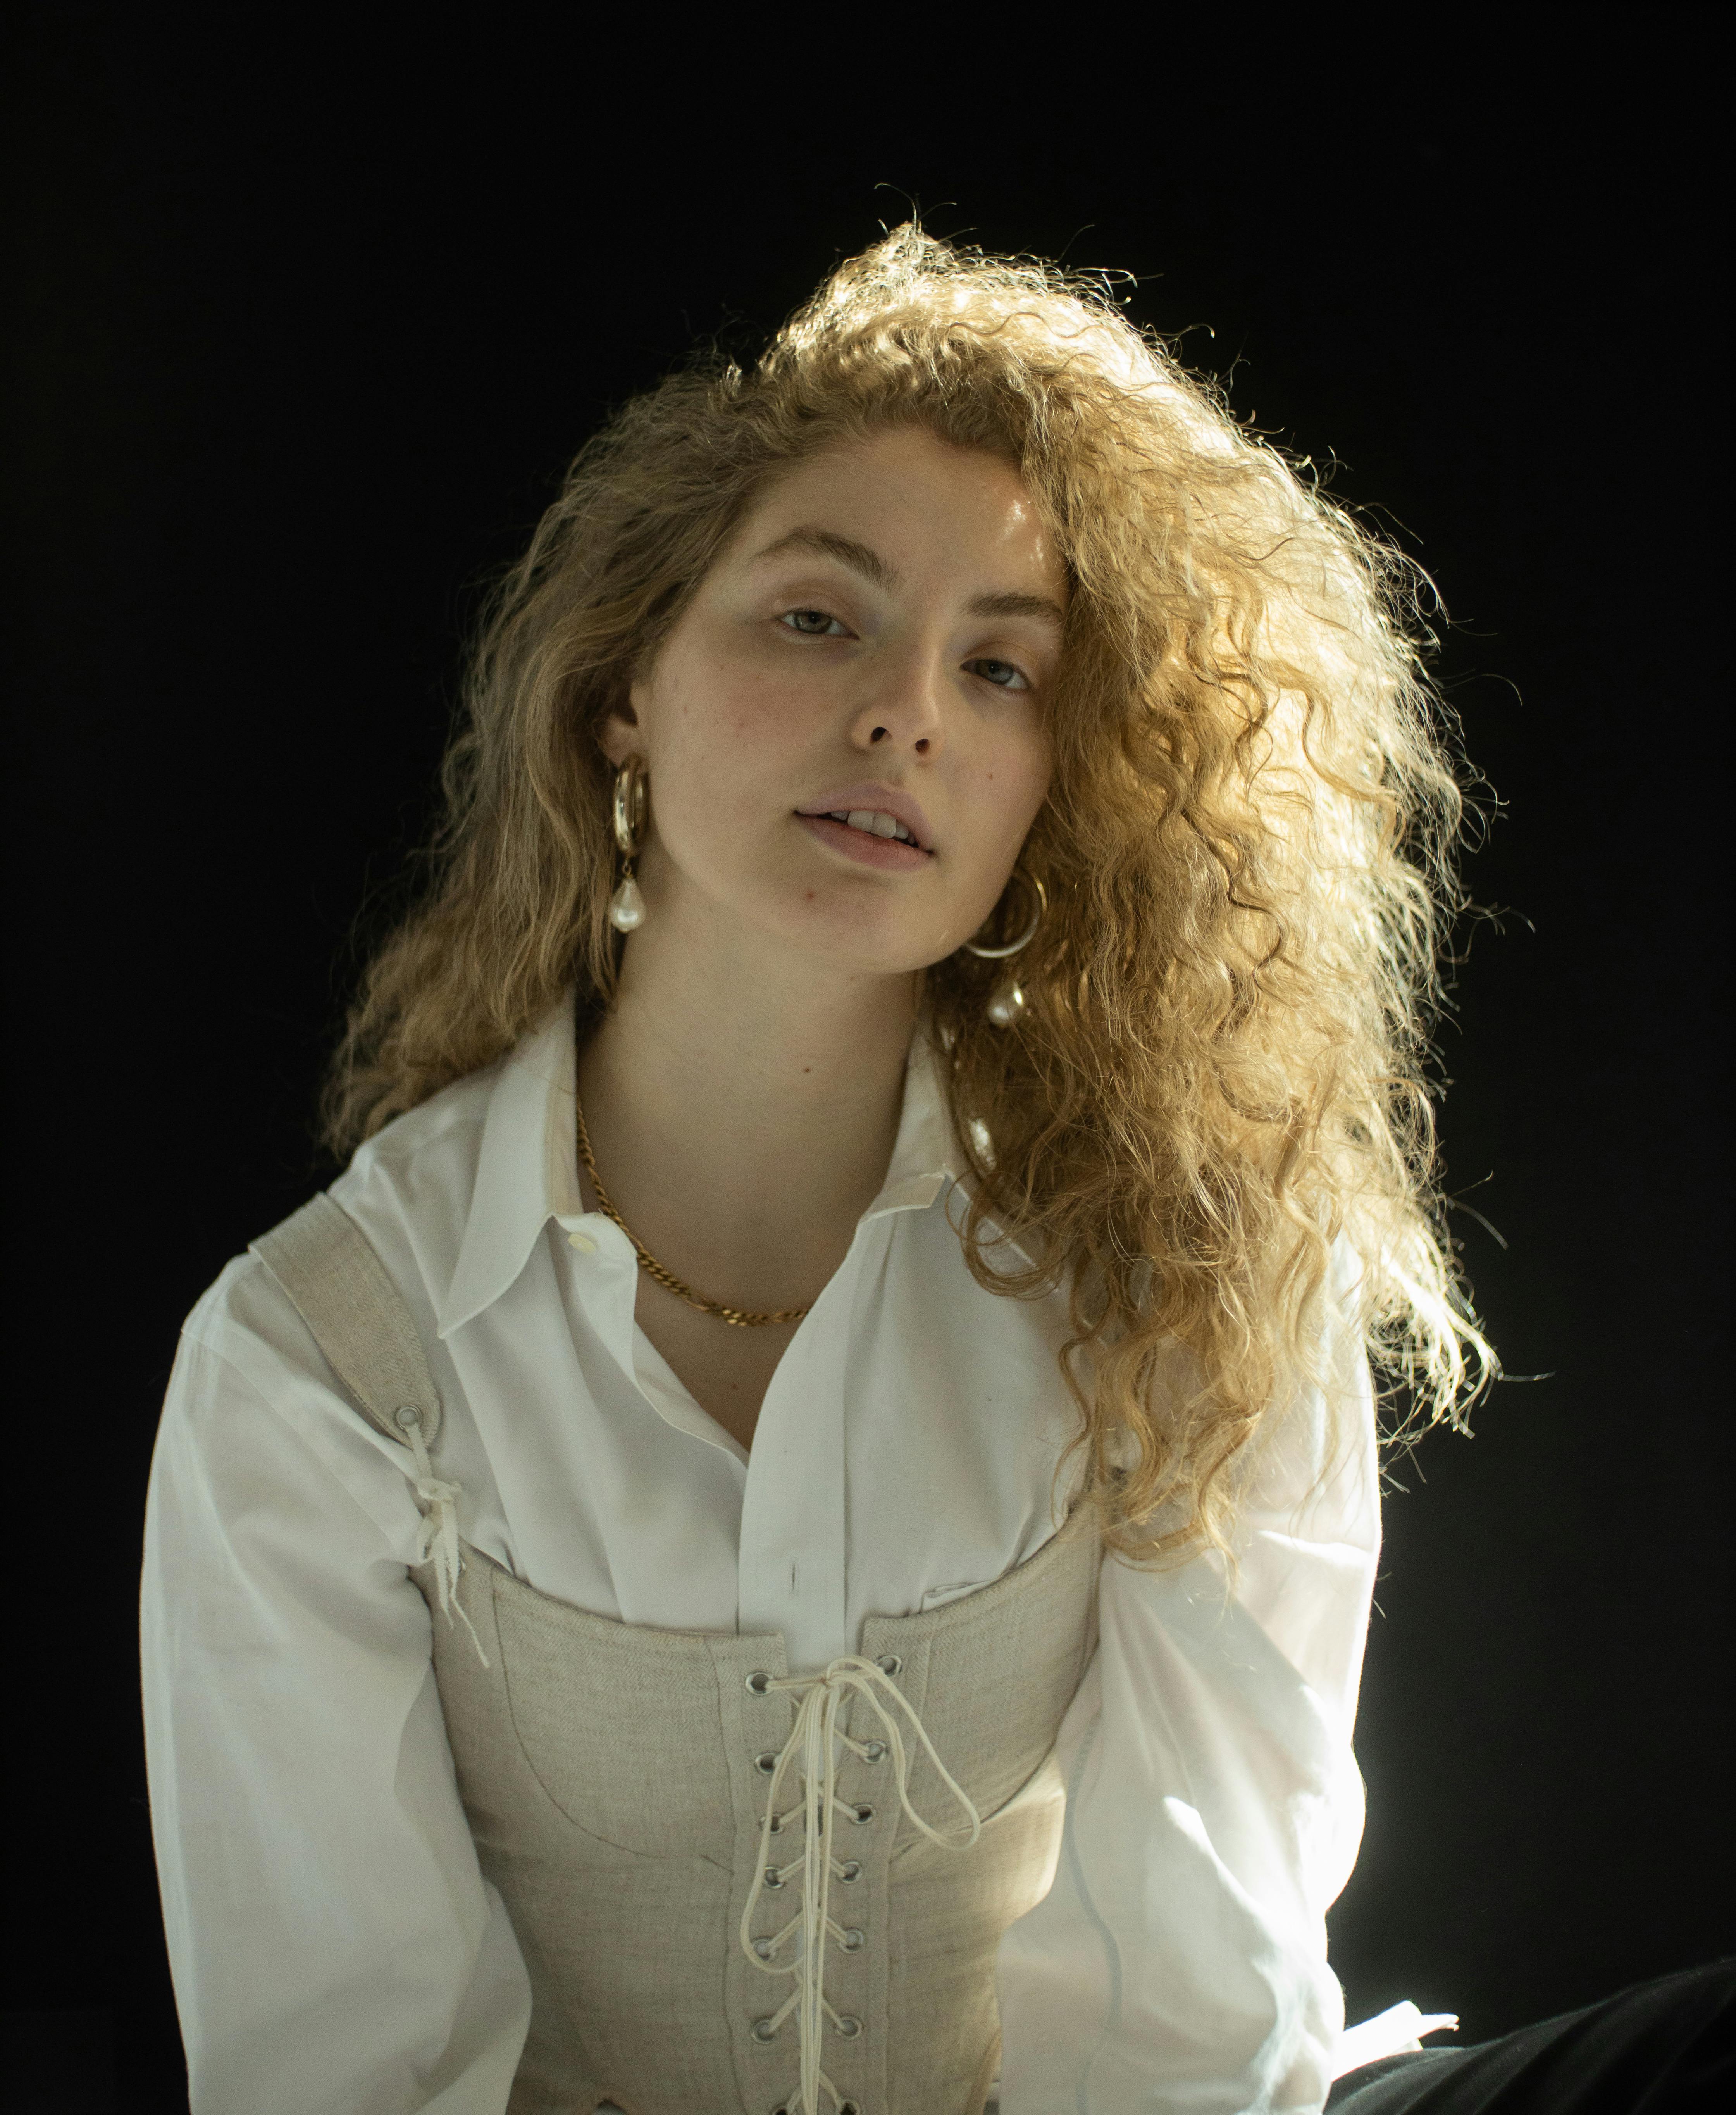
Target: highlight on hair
pixel 1248 849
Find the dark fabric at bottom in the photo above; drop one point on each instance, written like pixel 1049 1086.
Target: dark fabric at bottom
pixel 1657 2049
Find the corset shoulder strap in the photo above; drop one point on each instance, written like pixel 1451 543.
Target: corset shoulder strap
pixel 338 1285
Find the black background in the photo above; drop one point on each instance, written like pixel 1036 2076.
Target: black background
pixel 309 320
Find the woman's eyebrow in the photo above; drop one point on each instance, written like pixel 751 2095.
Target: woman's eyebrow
pixel 828 543
pixel 1043 608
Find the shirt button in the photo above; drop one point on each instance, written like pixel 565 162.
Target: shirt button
pixel 582 1242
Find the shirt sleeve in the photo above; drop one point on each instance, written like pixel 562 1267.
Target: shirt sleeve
pixel 333 1943
pixel 1214 1806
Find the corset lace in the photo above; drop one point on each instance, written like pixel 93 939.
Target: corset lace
pixel 812 1750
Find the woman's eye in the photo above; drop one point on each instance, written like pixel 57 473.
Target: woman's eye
pixel 796 620
pixel 1002 674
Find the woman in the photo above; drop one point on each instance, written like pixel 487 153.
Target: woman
pixel 796 1530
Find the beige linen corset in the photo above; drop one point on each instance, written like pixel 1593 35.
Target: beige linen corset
pixel 625 1784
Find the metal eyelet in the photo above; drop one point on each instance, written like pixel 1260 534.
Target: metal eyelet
pixel 854 1940
pixel 850 2108
pixel 850 1869
pixel 762 1949
pixel 862 1814
pixel 775 1826
pixel 764 2031
pixel 892 1664
pixel 766 1762
pixel 758 1683
pixel 408 1416
pixel 774 1879
pixel 875 1751
pixel 849 2027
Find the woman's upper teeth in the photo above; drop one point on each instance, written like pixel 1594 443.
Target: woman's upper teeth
pixel 876 823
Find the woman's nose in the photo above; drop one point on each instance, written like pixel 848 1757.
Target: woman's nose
pixel 905 711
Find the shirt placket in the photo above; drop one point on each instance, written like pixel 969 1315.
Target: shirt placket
pixel 792 1564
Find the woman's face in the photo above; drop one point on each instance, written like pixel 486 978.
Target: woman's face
pixel 879 638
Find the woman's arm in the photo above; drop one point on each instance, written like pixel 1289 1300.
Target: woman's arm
pixel 333 1943
pixel 1214 1811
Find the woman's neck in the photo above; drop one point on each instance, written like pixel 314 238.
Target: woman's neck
pixel 743 1101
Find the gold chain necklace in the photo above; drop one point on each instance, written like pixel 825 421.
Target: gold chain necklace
pixel 739 1318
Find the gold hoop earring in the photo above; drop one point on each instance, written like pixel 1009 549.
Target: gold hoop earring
pixel 631 804
pixel 1007 1001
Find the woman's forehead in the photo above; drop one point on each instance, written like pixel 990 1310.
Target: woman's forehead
pixel 906 498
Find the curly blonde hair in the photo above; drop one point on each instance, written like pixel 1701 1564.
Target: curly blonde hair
pixel 1248 847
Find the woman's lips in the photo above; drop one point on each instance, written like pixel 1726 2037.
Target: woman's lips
pixel 892 853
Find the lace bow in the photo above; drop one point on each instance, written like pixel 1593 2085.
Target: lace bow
pixel 437 1536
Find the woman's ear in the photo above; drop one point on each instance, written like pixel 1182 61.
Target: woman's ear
pixel 618 735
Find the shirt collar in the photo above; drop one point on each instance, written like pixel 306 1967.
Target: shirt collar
pixel 527 1166
pixel 925 1155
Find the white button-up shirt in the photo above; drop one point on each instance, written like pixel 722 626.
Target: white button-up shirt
pixel 335 1946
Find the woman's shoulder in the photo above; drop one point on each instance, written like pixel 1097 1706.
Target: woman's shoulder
pixel 427 1152
pixel 409 1188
